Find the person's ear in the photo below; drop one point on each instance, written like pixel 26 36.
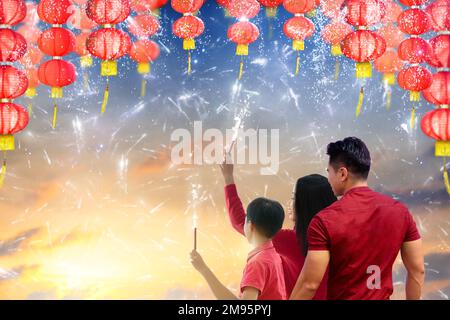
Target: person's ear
pixel 343 174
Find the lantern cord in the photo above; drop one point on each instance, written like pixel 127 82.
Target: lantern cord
pixel 86 81
pixel 388 99
pixel 412 121
pixel 241 68
pixel 360 101
pixel 336 70
pixel 3 172
pixel 189 62
pixel 270 29
pixel 445 174
pixel 30 109
pixel 143 87
pixel 297 63
pixel 55 114
pixel 105 96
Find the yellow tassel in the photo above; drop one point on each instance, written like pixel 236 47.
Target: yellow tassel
pixel 86 61
pixel 442 149
pixel 143 68
pixel 271 12
pixel 298 45
pixel 30 109
pixel 414 96
pixel 336 69
pixel 156 12
pixel 297 65
pixel 57 93
pixel 241 70
pixel 188 44
pixel 445 173
pixel 363 70
pixel 189 62
pixel 30 93
pixel 3 173
pixel 109 68
pixel 55 114
pixel 143 87
pixel 336 50
pixel 389 78
pixel 388 99
pixel 226 13
pixel 360 101
pixel 311 13
pixel 86 80
pixel 7 142
pixel 242 50
pixel 412 121
pixel 105 98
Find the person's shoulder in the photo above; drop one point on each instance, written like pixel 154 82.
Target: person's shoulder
pixel 383 199
pixel 330 211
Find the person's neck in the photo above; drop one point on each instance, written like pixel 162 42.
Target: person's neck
pixel 258 242
pixel 357 184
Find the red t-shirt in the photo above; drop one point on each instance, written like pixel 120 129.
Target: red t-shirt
pixel 285 243
pixel 364 232
pixel 264 271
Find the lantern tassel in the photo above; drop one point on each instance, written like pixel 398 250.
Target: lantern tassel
pixel 55 114
pixel 86 81
pixel 30 109
pixel 105 96
pixel 360 101
pixel 297 64
pixel 336 70
pixel 241 69
pixel 143 87
pixel 412 121
pixel 189 62
pixel 3 172
pixel 446 179
pixel 388 99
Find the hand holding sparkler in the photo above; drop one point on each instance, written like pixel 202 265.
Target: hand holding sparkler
pixel 197 261
pixel 227 168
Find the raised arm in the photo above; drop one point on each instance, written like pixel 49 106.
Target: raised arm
pixel 234 205
pixel 412 257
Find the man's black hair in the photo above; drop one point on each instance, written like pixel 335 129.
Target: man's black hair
pixel 267 216
pixel 351 153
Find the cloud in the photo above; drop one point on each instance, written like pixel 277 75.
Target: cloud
pixel 12 274
pixel 10 246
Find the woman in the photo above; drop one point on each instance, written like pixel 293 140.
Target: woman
pixel 311 194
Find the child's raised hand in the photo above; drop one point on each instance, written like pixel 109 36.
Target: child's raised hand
pixel 197 261
pixel 227 169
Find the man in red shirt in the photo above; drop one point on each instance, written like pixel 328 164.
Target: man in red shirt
pixel 263 277
pixel 359 236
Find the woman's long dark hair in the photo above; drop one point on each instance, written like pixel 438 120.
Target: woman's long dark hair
pixel 313 193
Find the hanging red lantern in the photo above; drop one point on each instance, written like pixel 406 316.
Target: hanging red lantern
pixel 144 52
pixel 82 51
pixel 12 45
pixel 334 33
pixel 12 12
pixel 389 64
pixel 242 33
pixel 79 20
pixel 439 13
pixel 32 57
pixel 393 10
pixel 186 6
pixel 439 91
pixel 439 56
pixel 364 12
pixel 108 44
pixel 108 11
pixel 57 74
pixel 392 35
pixel 299 6
pixel 56 42
pixel 33 81
pixel 332 8
pixel 143 25
pixel 271 6
pixel 298 29
pixel 55 11
pixel 415 79
pixel 411 3
pixel 243 9
pixel 414 50
pixel 13 82
pixel 414 21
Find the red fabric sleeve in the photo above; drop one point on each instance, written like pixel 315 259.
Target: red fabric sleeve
pixel 318 237
pixel 235 208
pixel 254 276
pixel 412 234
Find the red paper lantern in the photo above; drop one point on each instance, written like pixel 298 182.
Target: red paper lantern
pixel 334 33
pixel 414 50
pixel 147 5
pixel 436 124
pixel 299 6
pixel 80 44
pixel 271 6
pixel 12 45
pixel 79 20
pixel 144 52
pixel 108 11
pixel 186 6
pixel 298 29
pixel 243 9
pixel 439 91
pixel 439 56
pixel 439 13
pixel 13 82
pixel 12 12
pixel 364 12
pixel 243 33
pixel 415 78
pixel 55 11
pixel 411 3
pixel 331 8
pixel 30 33
pixel 32 57
pixel 57 73
pixel 188 28
pixel 391 34
pixel 108 43
pixel 33 82
pixel 13 118
pixel 389 62
pixel 414 22
pixel 143 25
pixel 393 10
pixel 363 46
pixel 56 42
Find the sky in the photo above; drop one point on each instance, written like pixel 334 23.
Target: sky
pixel 95 209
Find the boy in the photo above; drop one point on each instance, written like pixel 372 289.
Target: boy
pixel 263 277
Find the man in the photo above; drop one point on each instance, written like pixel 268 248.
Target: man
pixel 359 236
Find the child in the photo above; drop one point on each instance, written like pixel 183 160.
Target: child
pixel 263 277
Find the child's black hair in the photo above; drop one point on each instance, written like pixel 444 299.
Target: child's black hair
pixel 266 215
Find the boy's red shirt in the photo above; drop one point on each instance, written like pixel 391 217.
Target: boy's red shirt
pixel 285 243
